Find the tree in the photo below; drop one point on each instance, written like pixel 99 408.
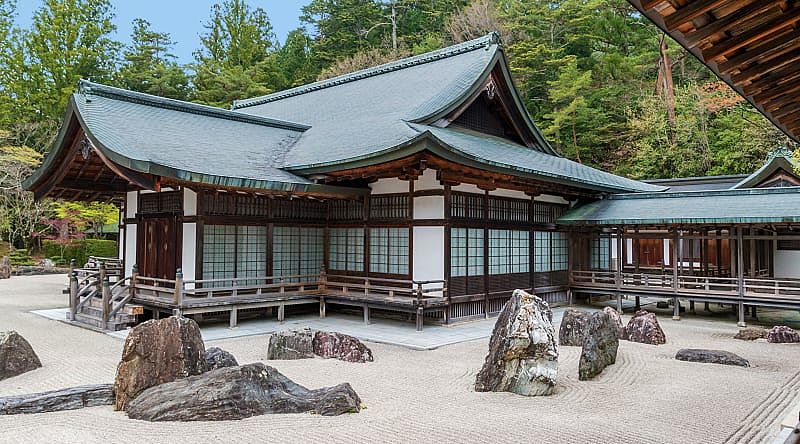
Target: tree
pixel 235 60
pixel 68 40
pixel 19 214
pixel 149 66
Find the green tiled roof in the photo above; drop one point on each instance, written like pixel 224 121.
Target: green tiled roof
pixel 774 163
pixel 740 206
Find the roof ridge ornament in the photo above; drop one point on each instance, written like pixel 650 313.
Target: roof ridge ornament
pixel 781 151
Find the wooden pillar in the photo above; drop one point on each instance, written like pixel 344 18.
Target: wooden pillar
pixel 73 293
pixel 740 274
pixel 106 293
pixel 675 260
pixel 322 307
pixel 619 303
pixel 281 312
pixel 177 298
pixel 753 255
pixel 676 309
pixel 234 320
pixel 366 314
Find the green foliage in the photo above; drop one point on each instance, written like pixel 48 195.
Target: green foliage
pixel 79 250
pixel 20 258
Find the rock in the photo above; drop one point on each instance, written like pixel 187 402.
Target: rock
pixel 16 355
pixel 617 318
pixel 711 357
pixel 66 399
pixel 341 346
pixel 573 328
pixel 156 352
pixel 296 344
pixel 47 263
pixel 218 358
pixel 781 334
pixel 751 334
pixel 599 346
pixel 5 268
pixel 523 355
pixel 236 393
pixel 643 327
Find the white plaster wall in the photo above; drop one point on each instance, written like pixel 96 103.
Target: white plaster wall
pixel 188 252
pixel 628 251
pixel 189 202
pixel 467 188
pixel 121 243
pixel 389 185
pixel 429 207
pixel 428 253
pixel 130 248
pixel 509 193
pixel 131 204
pixel 666 252
pixel 550 198
pixel 787 262
pixel 427 181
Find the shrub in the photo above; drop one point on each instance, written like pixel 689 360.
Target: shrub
pixel 80 250
pixel 20 258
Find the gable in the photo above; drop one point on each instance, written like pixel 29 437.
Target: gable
pixel 485 116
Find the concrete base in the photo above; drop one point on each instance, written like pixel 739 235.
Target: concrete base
pixel 676 318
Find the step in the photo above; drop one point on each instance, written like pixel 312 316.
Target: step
pixel 98 323
pixel 97 313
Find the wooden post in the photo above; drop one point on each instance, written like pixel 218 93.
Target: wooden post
pixel 106 292
pixel 234 317
pixel 134 276
pixel 619 303
pixel 281 312
pixel 322 307
pixel 421 311
pixel 446 295
pixel 73 293
pixel 366 314
pixel 178 294
pixel 676 309
pixel 740 275
pixel 675 261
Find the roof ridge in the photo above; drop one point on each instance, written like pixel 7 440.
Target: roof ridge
pixel 88 88
pixel 492 38
pixel 694 193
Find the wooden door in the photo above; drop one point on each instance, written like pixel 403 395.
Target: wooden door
pixel 158 252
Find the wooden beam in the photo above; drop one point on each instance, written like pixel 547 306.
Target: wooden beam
pixel 693 39
pixel 774 79
pixel 763 69
pixel 690 12
pixel 787 88
pixel 728 46
pixel 782 43
pixel 650 4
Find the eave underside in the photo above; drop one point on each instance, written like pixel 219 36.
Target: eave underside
pixel 753 45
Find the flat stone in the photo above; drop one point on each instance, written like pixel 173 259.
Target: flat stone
pixel 16 355
pixel 295 344
pixel 239 392
pixel 711 357
pixel 751 334
pixel 340 346
pixel 781 334
pixel 156 352
pixel 599 346
pixel 523 354
pixel 573 328
pixel 644 327
pixel 57 400
pixel 218 358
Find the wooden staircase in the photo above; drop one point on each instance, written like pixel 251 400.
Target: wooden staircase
pixel 97 303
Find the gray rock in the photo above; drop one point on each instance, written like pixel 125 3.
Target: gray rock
pixel 617 318
pixel 781 334
pixel 599 347
pixel 341 346
pixel 5 268
pixel 296 344
pixel 751 334
pixel 644 327
pixel 66 399
pixel 711 357
pixel 236 393
pixel 156 352
pixel 523 354
pixel 573 328
pixel 218 358
pixel 16 355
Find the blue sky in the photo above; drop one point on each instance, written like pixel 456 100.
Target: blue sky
pixel 183 19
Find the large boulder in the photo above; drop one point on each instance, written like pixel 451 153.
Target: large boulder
pixel 295 344
pixel 711 357
pixel 617 318
pixel 5 268
pixel 156 352
pixel 236 393
pixel 643 327
pixel 340 346
pixel 523 354
pixel 218 358
pixel 751 334
pixel 573 328
pixel 66 399
pixel 599 346
pixel 780 334
pixel 16 355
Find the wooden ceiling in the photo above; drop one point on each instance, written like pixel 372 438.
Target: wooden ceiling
pixel 753 45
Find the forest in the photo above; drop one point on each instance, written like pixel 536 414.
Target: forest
pixel 605 85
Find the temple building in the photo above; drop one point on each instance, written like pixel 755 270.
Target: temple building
pixel 419 187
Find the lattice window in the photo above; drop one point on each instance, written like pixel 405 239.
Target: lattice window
pixel 389 207
pixel 297 251
pixel 219 251
pixel 788 244
pixel 509 251
pixel 235 205
pixel 251 252
pixel 166 202
pixel 600 253
pixel 466 206
pixel 346 249
pixel 466 252
pixel 346 210
pixel 559 247
pixel 508 210
pixel 388 250
pixel 541 251
pixel 547 213
pixel 299 209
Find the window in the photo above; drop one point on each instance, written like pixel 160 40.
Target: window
pixel 297 251
pixel 560 251
pixel 230 251
pixel 389 207
pixel 508 251
pixel 600 253
pixel 550 251
pixel 466 252
pixel 388 250
pixel 541 251
pixel 346 249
